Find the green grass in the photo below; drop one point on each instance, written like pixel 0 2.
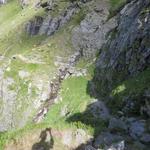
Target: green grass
pixel 9 10
pixel 74 97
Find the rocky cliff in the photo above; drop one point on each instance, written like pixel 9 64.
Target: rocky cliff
pixel 122 76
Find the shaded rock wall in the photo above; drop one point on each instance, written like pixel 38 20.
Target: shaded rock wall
pixel 127 52
pixel 122 77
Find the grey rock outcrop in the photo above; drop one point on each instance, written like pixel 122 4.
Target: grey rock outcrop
pixel 137 129
pixel 117 124
pixel 34 3
pixel 24 2
pixel 106 140
pixel 90 35
pixel 34 26
pixel 49 25
pixel 99 110
pixel 7 105
pixel 117 146
pixel 127 52
pixel 145 138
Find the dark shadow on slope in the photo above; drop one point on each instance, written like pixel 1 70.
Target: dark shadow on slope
pixel 125 94
pixel 46 142
pixel 90 118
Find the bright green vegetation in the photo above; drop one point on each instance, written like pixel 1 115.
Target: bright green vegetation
pixel 74 98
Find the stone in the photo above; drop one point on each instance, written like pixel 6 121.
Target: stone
pixel 49 25
pixel 117 124
pixel 7 100
pixel 24 2
pixel 117 146
pixel 126 52
pixel 99 110
pixel 147 93
pixel 89 147
pixel 145 138
pixel 64 111
pixel 137 129
pixel 23 74
pixel 80 136
pixel 33 26
pixel 89 36
pixel 67 138
pixel 107 139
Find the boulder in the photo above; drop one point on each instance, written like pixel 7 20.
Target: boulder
pixel 106 139
pixel 145 138
pixel 116 146
pixel 137 129
pixel 117 124
pixel 99 110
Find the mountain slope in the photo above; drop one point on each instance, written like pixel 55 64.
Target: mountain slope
pixel 75 75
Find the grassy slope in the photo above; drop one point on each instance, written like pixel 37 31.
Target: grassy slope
pixel 14 42
pixel 75 97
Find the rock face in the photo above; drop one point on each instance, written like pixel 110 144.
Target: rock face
pixel 128 51
pixel 89 36
pixel 123 61
pixel 16 107
pixel 7 104
pixel 106 139
pixel 99 110
pixel 49 25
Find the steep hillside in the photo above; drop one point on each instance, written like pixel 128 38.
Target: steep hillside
pixel 75 74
